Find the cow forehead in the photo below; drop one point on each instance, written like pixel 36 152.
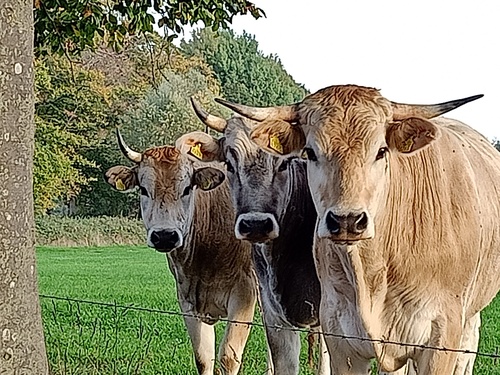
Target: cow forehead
pixel 164 167
pixel 238 139
pixel 341 119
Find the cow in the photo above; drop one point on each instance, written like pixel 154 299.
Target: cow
pixel 275 212
pixel 407 237
pixel 190 221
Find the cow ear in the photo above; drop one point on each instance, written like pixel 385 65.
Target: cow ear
pixel 208 178
pixel 121 178
pixel 199 146
pixel 279 137
pixel 412 134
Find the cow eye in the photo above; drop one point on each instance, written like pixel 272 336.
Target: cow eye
pixel 381 153
pixel 229 167
pixel 308 153
pixel 144 191
pixel 186 191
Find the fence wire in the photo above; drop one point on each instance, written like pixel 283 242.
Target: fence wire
pixel 494 356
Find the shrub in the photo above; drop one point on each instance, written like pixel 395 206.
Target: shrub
pixel 91 231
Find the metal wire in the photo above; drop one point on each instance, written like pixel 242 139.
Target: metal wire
pixel 276 327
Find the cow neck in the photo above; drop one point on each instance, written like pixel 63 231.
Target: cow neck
pixel 290 255
pixel 299 218
pixel 413 217
pixel 211 236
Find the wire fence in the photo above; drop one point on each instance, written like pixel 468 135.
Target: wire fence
pixel 115 306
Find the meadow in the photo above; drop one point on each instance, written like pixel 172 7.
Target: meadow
pixel 84 339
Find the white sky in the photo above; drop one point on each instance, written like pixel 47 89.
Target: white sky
pixel 418 51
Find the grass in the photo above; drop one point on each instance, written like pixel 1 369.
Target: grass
pixel 87 339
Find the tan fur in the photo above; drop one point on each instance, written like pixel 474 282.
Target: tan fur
pixel 208 148
pixel 290 137
pixel 432 261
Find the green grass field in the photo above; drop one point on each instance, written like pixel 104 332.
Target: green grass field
pixel 87 339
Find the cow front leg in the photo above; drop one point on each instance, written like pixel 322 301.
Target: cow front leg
pixel 202 337
pixel 445 332
pixel 324 357
pixel 235 338
pixel 470 341
pixel 284 345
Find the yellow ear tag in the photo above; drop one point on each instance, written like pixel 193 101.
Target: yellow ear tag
pixel 206 184
pixel 303 155
pixel 119 185
pixel 275 144
pixel 196 151
pixel 407 145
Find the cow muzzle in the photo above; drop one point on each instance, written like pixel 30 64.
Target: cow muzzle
pixel 164 240
pixel 346 228
pixel 256 227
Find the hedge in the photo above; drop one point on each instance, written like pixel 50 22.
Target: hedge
pixel 91 231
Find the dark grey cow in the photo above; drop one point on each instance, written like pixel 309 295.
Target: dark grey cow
pixel 274 211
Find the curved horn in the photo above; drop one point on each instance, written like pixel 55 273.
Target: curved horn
pixel 402 111
pixel 285 113
pixel 135 156
pixel 213 122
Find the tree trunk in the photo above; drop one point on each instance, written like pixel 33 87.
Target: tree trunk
pixel 22 348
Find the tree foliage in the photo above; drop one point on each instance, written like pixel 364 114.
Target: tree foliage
pixel 156 116
pixel 143 90
pixel 246 74
pixel 70 26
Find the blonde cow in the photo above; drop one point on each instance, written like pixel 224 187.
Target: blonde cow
pixel 408 230
pixel 213 270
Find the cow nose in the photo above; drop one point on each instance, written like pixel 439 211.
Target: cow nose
pixel 253 226
pixel 350 224
pixel 256 227
pixel 164 240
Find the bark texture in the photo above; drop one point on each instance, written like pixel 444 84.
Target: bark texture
pixel 22 348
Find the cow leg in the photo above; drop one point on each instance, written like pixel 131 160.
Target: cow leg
pixel 241 308
pixel 284 345
pixel 270 366
pixel 470 341
pixel 202 337
pixel 407 369
pixel 445 332
pixel 324 357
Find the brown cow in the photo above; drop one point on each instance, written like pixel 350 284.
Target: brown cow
pixel 408 233
pixel 212 269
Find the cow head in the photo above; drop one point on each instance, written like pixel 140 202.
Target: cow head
pixel 349 136
pixel 167 180
pixel 260 183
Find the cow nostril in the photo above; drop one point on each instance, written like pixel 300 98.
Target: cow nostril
pixel 155 238
pixel 268 226
pixel 332 223
pixel 172 237
pixel 245 226
pixel 361 222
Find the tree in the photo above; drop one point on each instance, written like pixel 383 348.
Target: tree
pixel 155 116
pixel 246 74
pixel 22 346
pixel 70 26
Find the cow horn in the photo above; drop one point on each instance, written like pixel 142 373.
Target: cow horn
pixel 402 111
pixel 213 122
pixel 134 156
pixel 285 113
